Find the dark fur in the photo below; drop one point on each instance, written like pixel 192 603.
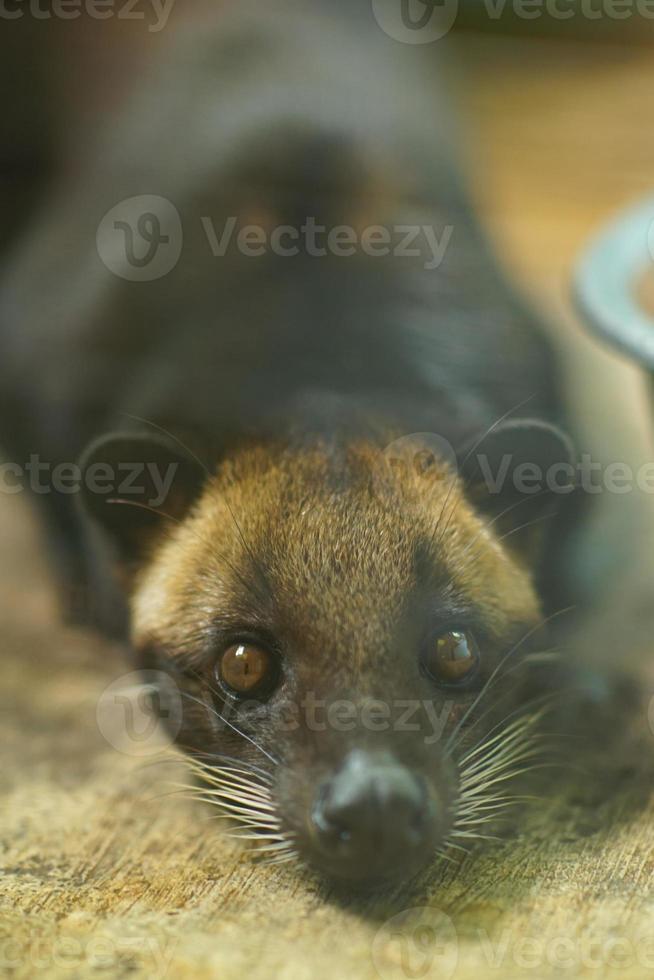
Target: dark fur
pixel 287 376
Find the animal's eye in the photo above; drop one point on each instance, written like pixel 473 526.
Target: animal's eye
pixel 246 669
pixel 452 658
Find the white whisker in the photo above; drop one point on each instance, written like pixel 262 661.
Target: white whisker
pixel 243 797
pixel 495 760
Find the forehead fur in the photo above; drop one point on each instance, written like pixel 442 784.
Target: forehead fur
pixel 328 543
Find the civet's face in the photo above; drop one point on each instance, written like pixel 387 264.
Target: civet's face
pixel 344 643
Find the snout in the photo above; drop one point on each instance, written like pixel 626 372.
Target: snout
pixel 374 819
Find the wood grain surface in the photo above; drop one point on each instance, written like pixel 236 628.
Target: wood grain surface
pixel 107 871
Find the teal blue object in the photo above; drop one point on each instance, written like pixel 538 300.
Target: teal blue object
pixel 606 280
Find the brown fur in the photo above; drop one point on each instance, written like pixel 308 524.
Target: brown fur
pixel 340 565
pixel 336 548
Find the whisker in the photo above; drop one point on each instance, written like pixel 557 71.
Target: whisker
pixel 521 527
pixel 234 774
pixel 258 566
pixel 498 668
pixel 233 727
pixel 166 432
pixel 520 711
pixel 488 524
pixel 472 449
pixel 216 556
pixel 241 798
pixel 241 765
pixel 500 757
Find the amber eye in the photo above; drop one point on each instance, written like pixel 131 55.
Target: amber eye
pixel 452 658
pixel 247 669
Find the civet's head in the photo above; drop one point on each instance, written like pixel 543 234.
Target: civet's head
pixel 349 637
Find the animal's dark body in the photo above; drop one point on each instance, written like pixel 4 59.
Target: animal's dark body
pixel 289 372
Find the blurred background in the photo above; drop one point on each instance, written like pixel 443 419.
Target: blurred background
pixel 555 101
pixel 557 115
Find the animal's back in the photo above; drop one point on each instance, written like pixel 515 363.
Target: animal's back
pixel 271 119
pixel 301 117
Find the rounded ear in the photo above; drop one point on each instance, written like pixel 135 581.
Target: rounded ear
pixel 519 472
pixel 134 483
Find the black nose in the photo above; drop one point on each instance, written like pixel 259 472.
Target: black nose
pixel 374 818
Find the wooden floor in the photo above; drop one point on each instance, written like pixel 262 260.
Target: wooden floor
pixel 106 872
